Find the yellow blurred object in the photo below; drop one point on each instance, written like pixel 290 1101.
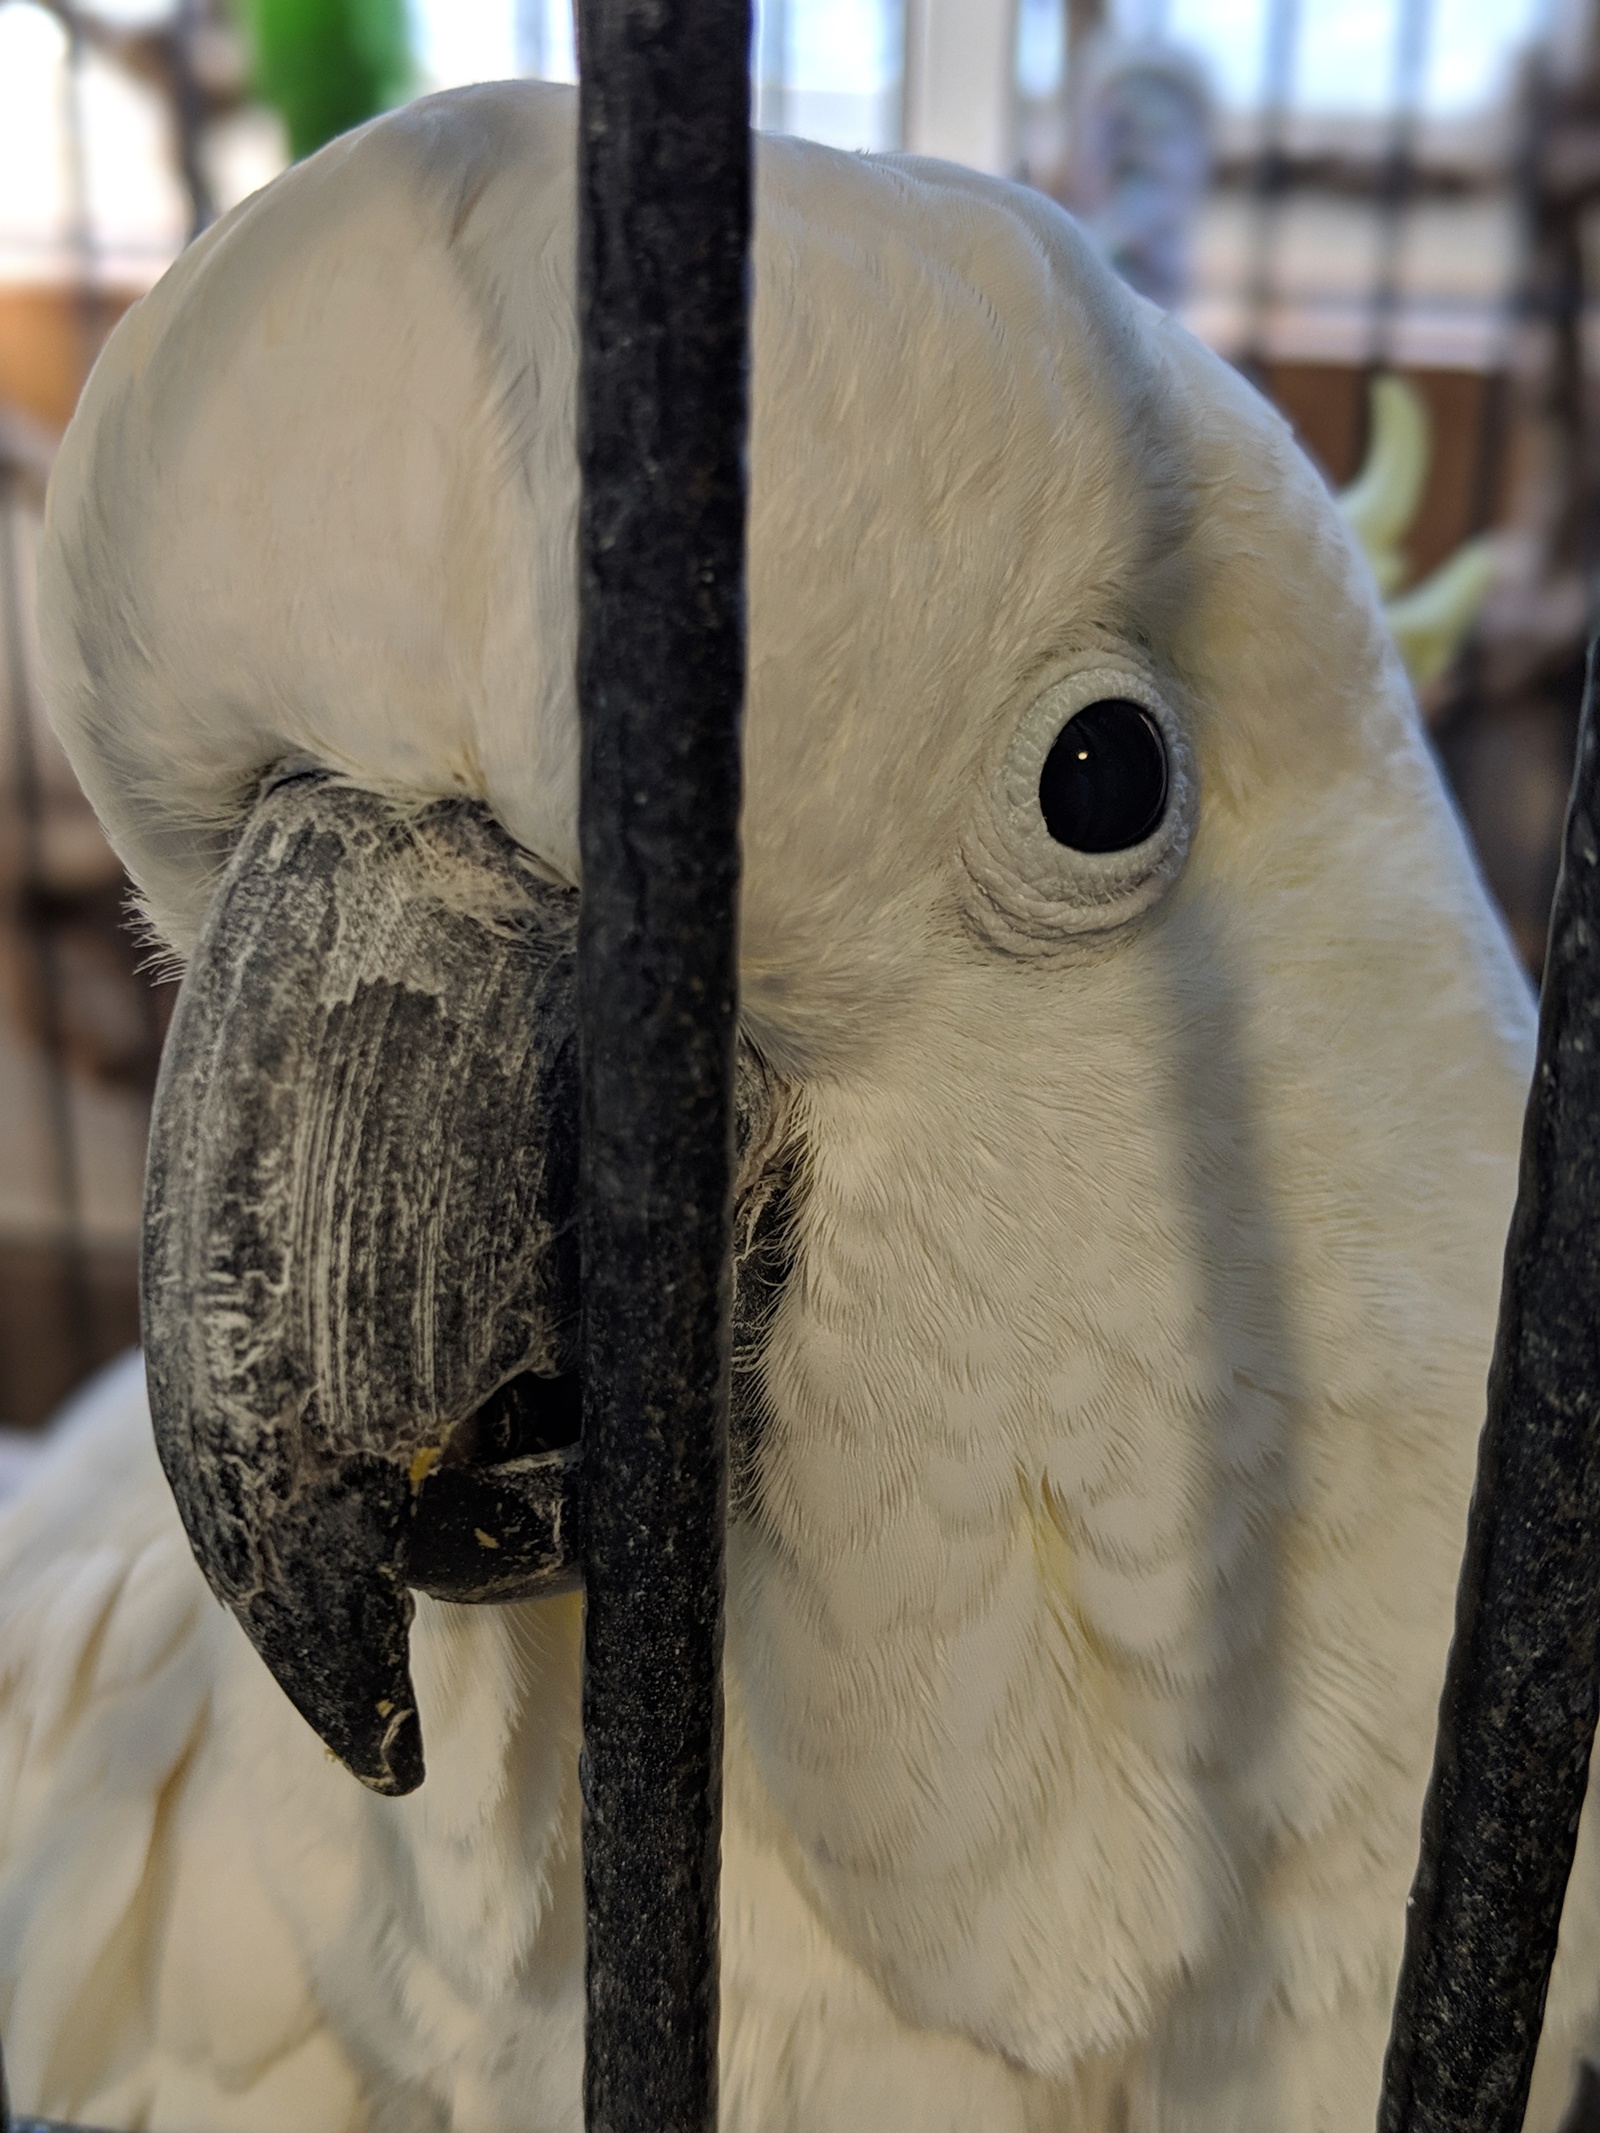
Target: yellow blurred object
pixel 1430 623
pixel 1381 503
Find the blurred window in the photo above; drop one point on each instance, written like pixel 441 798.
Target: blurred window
pixel 828 69
pixel 1041 48
pixel 1344 51
pixel 1345 56
pixel 87 184
pixel 491 40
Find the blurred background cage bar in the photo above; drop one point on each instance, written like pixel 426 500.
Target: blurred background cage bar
pixel 1327 191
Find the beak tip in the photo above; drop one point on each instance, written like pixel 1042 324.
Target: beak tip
pixel 331 1617
pixel 376 1736
pixel 395 1764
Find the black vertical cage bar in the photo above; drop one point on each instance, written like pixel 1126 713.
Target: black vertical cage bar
pixel 1269 181
pixel 1397 178
pixel 663 237
pixel 1517 1717
pixel 1521 299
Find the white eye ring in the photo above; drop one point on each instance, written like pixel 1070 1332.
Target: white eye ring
pixel 1028 890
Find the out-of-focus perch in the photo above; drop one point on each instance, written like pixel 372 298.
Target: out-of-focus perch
pixel 1431 622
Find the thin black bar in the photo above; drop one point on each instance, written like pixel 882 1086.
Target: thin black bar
pixel 1269 180
pixel 664 221
pixel 1398 180
pixel 1522 292
pixel 1519 305
pixel 1517 1718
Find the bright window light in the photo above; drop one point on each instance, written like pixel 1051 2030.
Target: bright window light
pixel 1345 51
pixel 120 215
pixel 829 69
pixel 135 14
pixel 1041 48
pixel 492 40
pixel 546 44
pixel 455 45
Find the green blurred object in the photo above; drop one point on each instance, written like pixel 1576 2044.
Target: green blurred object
pixel 327 65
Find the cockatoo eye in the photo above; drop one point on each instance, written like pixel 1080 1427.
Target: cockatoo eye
pixel 1104 783
pixel 1084 819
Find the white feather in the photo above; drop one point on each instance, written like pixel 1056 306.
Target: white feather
pixel 1086 1637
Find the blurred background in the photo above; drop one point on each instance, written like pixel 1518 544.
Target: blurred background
pixel 1336 194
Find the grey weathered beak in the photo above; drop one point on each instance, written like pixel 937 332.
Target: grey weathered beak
pixel 360 1265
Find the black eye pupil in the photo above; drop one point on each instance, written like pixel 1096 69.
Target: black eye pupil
pixel 1104 783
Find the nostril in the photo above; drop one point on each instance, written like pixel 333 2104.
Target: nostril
pixel 526 1414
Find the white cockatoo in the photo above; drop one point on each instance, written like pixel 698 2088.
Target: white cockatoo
pixel 1144 1066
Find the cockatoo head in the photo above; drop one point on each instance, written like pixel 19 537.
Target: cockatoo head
pixel 1117 998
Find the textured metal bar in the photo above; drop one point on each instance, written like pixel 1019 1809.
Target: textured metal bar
pixel 664 212
pixel 1517 1718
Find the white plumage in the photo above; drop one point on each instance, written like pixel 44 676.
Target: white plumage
pixel 1087 1627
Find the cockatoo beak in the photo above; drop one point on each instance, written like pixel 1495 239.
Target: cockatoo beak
pixel 361 1267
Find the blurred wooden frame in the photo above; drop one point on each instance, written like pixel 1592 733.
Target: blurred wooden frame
pixel 1327 404
pixel 49 338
